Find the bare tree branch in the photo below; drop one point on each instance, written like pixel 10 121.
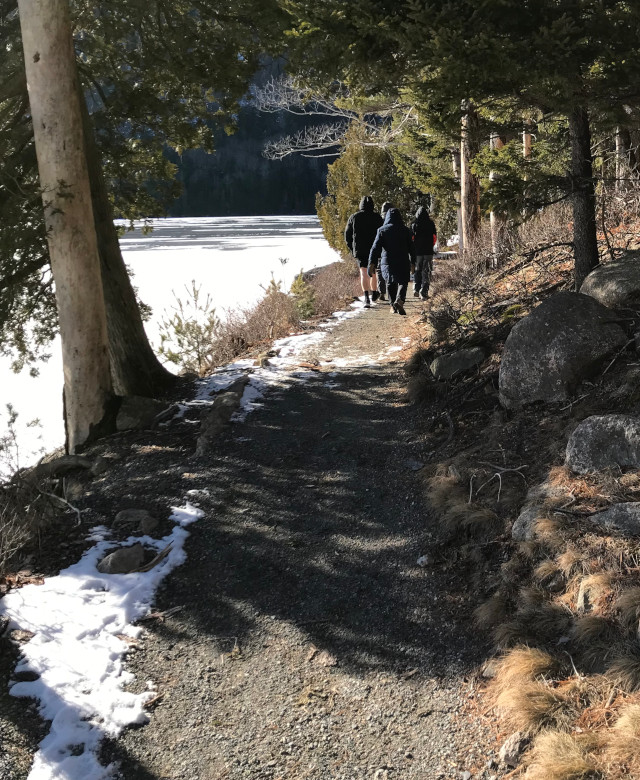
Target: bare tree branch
pixel 381 122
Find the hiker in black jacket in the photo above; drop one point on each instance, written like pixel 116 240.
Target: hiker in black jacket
pixel 393 247
pixel 360 234
pixel 424 235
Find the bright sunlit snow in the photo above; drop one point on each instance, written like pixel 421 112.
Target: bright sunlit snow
pixel 232 259
pixel 81 621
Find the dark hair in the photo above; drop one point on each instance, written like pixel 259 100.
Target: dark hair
pixel 385 207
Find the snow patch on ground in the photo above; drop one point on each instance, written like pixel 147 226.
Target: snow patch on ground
pixel 82 621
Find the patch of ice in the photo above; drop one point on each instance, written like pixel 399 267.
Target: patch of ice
pixel 81 620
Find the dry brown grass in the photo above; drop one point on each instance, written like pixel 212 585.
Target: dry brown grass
pixel 570 561
pixel 549 530
pixel 624 670
pixel 547 571
pixel 623 741
pixel 559 756
pixel 492 612
pixel 523 665
pixel 333 286
pixel 628 608
pixel 534 624
pixel 530 707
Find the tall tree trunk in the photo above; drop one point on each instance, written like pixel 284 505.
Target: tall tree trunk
pixel 455 161
pixel 584 200
pixel 621 160
pixel 57 122
pixel 135 370
pixel 469 183
pixel 497 220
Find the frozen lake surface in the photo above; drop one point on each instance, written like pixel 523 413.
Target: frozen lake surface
pixel 231 258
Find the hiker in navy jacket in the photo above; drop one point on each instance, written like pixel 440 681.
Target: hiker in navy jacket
pixel 359 234
pixel 393 247
pixel 424 234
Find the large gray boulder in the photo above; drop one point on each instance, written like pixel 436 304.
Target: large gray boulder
pixel 615 284
pixel 624 519
pixel 447 366
pixel 564 340
pixel 604 442
pixel 539 498
pixel 123 560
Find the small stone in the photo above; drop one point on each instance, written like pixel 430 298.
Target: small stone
pixel 512 749
pixel 413 465
pixel 465 776
pixel 123 560
pixel 141 518
pixel 21 635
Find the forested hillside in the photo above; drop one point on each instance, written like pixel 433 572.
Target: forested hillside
pixel 239 179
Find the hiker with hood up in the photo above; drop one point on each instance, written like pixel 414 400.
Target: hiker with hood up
pixel 425 236
pixel 393 248
pixel 360 234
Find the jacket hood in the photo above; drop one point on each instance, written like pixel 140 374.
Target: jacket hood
pixel 366 204
pixel 394 217
pixel 422 212
pixel 385 207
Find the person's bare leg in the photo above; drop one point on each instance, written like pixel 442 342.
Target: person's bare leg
pixel 365 280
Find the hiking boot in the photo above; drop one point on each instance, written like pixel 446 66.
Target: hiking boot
pixel 393 309
pixel 399 307
pixel 382 297
pixel 375 295
pixel 367 305
pixel 416 293
pixel 424 296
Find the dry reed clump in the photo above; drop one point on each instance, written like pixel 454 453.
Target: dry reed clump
pixel 548 573
pixel 628 608
pixel 624 670
pixel 543 623
pixel 559 756
pixel 622 742
pixel 533 706
pixel 523 665
pixel 550 531
pixel 570 561
pixel 594 638
pixel 424 390
pixel 493 611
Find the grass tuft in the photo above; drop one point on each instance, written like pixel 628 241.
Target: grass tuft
pixel 559 756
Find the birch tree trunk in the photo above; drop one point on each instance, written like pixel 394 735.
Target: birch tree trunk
pixel 469 184
pixel 52 83
pixel 585 241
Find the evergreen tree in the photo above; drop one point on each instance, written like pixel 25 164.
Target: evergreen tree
pixel 573 58
pixel 153 74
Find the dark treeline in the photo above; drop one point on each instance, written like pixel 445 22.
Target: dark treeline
pixel 237 179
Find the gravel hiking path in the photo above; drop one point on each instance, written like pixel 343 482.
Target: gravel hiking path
pixel 301 639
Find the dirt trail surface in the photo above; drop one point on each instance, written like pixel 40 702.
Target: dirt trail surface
pixel 301 639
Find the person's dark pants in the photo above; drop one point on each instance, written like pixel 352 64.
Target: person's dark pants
pixel 397 292
pixel 382 285
pixel 422 274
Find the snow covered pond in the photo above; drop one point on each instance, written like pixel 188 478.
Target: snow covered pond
pixel 231 258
